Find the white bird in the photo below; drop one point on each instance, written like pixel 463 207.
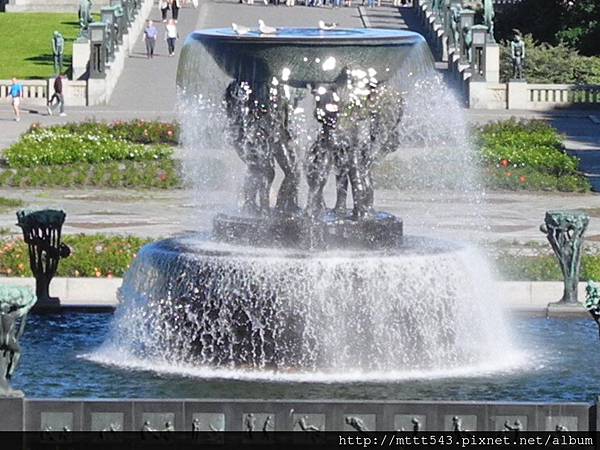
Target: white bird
pixel 327 25
pixel 265 29
pixel 240 29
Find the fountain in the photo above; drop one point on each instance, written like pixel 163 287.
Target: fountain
pixel 286 284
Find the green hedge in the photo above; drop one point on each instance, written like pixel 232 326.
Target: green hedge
pixel 542 268
pixel 58 146
pixel 92 256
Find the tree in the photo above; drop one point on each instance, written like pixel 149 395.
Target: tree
pixel 576 23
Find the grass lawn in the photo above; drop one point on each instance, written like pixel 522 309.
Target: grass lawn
pixel 27 43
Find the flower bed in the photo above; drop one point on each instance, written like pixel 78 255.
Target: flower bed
pixel 527 155
pixel 135 154
pixel 49 146
pixel 92 256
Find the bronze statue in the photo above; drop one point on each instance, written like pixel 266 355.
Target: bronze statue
pixel 259 122
pixel 517 54
pixel 592 301
pixel 564 230
pixel 15 303
pixel 455 12
pixel 488 17
pixel 58 50
pixel 85 17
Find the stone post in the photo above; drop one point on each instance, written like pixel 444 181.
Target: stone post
pixel 517 94
pixel 98 54
pixel 478 52
pixel 42 234
pixel 492 62
pixel 564 230
pixel 81 58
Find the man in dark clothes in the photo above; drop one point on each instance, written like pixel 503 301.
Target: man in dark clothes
pixel 58 95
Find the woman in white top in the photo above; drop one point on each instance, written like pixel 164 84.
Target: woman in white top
pixel 171 36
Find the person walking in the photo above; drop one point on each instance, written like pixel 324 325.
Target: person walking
pixel 150 35
pixel 171 36
pixel 164 8
pixel 58 96
pixel 16 93
pixel 175 5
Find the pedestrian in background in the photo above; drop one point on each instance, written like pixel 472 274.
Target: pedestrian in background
pixel 164 8
pixel 58 96
pixel 171 36
pixel 16 93
pixel 175 5
pixel 150 36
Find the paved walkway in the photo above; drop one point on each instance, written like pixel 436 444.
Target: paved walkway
pixel 505 215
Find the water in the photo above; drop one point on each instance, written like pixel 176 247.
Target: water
pixel 57 351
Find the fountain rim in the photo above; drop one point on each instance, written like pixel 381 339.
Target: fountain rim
pixel 183 246
pixel 355 37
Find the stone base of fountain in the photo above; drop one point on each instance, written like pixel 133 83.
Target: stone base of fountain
pixel 330 231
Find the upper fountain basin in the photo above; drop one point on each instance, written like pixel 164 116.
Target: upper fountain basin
pixel 302 56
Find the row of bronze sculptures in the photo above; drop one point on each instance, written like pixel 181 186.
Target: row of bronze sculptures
pixel 357 120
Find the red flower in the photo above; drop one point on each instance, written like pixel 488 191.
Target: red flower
pixel 522 179
pixel 162 177
pixel 508 174
pixel 505 163
pixel 170 133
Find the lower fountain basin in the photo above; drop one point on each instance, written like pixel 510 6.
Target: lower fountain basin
pixel 423 305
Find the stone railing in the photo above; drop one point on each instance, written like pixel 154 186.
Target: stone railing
pixel 523 95
pixel 284 415
pixel 549 95
pixel 35 92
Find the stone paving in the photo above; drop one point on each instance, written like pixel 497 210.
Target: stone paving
pixel 505 215
pixel 147 90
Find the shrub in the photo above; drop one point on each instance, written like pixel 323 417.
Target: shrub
pixel 528 155
pixel 9 203
pixel 161 174
pixel 50 146
pixel 532 144
pixel 91 256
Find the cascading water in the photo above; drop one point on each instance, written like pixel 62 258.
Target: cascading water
pixel 277 287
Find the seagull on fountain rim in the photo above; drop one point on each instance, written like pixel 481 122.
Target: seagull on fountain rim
pixel 240 29
pixel 327 25
pixel 265 29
